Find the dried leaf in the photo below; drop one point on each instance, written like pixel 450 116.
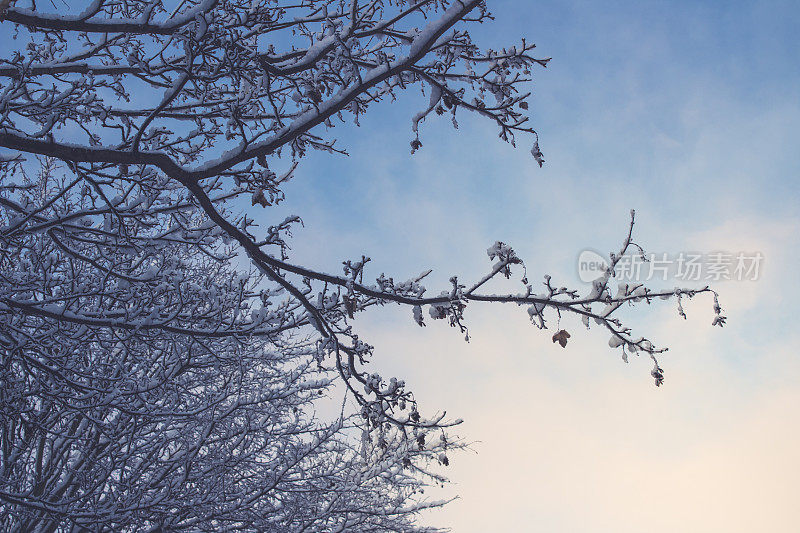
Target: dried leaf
pixel 561 337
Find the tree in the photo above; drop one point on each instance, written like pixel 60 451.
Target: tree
pixel 148 382
pixel 144 387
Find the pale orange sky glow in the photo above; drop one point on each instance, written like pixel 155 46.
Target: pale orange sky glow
pixel 574 440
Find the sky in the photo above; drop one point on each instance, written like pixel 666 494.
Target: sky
pixel 685 111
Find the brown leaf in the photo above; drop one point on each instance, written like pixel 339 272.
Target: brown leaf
pixel 561 337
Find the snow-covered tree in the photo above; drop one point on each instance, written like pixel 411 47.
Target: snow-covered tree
pixel 147 379
pixel 147 384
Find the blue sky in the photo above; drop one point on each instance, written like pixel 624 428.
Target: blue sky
pixel 686 111
pixel 692 104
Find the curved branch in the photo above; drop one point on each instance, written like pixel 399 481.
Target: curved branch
pixel 40 21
